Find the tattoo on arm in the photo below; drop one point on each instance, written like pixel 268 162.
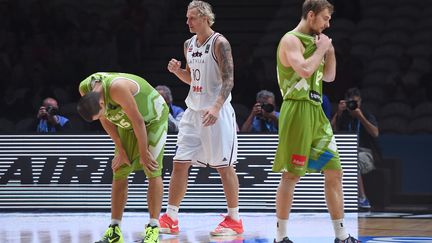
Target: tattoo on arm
pixel 226 66
pixel 186 44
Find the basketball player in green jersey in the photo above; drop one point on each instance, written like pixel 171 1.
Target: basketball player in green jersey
pixel 306 57
pixel 135 116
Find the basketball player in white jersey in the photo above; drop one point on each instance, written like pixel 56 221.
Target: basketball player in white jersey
pixel 207 132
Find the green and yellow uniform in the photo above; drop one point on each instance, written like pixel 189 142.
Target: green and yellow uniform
pixel 306 141
pixel 153 109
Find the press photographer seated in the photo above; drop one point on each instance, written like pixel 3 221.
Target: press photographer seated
pixel 48 118
pixel 263 117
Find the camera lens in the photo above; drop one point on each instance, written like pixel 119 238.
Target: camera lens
pixel 52 110
pixel 267 107
pixel 351 105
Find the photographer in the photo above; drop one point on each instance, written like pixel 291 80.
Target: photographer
pixel 263 117
pixel 175 112
pixel 350 117
pixel 48 118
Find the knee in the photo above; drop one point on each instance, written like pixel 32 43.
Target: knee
pixel 181 168
pixel 290 178
pixel 226 171
pixel 333 177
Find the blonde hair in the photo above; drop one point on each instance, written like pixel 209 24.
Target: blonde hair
pixel 204 9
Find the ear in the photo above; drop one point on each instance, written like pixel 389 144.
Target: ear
pixel 311 14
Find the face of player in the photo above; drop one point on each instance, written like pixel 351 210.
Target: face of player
pixel 101 111
pixel 195 22
pixel 319 22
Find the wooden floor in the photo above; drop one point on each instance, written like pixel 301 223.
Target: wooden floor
pixel 394 227
pixel 259 227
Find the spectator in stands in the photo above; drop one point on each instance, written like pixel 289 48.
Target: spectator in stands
pixel 175 112
pixel 351 117
pixel 48 118
pixel 263 117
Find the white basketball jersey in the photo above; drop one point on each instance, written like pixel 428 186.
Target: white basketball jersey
pixel 206 81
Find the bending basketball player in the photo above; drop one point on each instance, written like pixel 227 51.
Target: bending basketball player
pixel 207 131
pixel 135 116
pixel 306 57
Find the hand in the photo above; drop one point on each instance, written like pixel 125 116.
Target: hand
pixel 52 119
pixel 341 107
pixel 42 113
pixel 269 115
pixel 149 163
pixel 323 42
pixel 174 65
pixel 257 110
pixel 357 113
pixel 210 116
pixel 119 159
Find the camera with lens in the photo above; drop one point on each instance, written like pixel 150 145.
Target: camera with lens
pixel 269 108
pixel 51 110
pixel 351 105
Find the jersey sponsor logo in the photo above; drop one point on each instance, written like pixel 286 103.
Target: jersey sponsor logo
pixel 315 96
pixel 197 54
pixel 298 160
pixel 197 88
pixel 207 48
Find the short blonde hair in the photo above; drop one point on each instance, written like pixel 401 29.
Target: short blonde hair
pixel 204 9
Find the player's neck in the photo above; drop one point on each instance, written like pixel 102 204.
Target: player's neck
pixel 203 36
pixel 304 28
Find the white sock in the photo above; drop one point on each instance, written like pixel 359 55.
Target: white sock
pixel 154 222
pixel 233 213
pixel 281 229
pixel 116 221
pixel 339 229
pixel 172 212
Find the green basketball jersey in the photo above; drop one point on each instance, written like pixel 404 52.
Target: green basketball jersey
pixel 294 87
pixel 150 103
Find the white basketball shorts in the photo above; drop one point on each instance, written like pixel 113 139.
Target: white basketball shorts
pixel 214 146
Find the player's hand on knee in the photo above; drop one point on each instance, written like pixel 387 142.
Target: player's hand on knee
pixel 149 162
pixel 119 159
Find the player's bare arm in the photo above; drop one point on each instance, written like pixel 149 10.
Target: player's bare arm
pixel 121 92
pixel 226 66
pixel 291 54
pixel 121 157
pixel 330 65
pixel 174 66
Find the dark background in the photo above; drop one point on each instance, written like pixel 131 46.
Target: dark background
pixel 383 47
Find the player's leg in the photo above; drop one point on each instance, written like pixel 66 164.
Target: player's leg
pixel 220 151
pixel 325 157
pixel 291 158
pixel 156 134
pixel 188 143
pixel 230 185
pixel 119 190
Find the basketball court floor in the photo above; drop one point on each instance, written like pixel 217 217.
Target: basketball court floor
pixel 83 227
pixel 194 227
